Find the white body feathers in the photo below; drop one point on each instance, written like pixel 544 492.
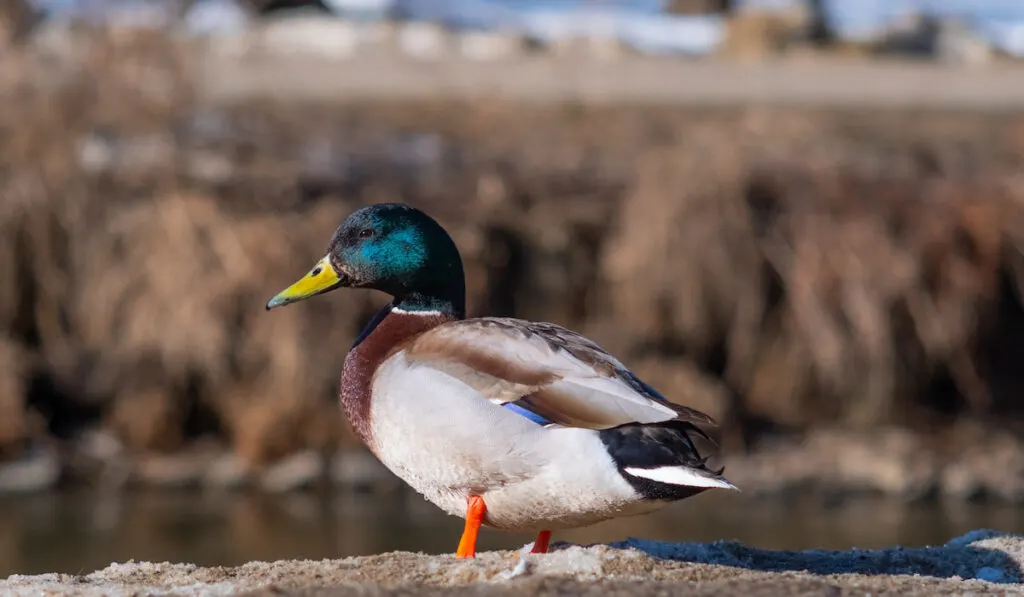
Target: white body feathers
pixel 437 422
pixel 438 435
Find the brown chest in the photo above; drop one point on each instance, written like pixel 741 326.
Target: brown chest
pixel 394 329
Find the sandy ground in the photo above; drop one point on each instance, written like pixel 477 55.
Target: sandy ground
pixel 979 563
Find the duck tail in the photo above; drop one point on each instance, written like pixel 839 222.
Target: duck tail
pixel 661 460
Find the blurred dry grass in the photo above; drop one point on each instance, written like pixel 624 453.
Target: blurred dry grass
pixel 767 265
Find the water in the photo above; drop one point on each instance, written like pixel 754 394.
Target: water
pixel 84 531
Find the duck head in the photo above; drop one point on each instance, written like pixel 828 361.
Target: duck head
pixel 393 248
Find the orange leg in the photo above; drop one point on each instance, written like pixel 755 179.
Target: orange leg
pixel 540 545
pixel 475 510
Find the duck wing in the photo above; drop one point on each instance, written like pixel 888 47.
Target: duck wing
pixel 547 373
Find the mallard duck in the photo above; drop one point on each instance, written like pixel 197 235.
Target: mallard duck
pixel 516 425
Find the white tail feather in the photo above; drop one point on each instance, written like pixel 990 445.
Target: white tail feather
pixel 679 475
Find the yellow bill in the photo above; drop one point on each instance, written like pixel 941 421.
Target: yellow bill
pixel 322 278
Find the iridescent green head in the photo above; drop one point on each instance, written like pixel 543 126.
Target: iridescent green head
pixel 393 248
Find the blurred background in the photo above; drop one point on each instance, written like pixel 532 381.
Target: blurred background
pixel 805 218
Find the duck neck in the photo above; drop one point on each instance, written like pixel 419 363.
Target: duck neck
pixel 389 329
pixel 442 292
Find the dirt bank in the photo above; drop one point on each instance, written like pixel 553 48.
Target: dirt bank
pixel 781 269
pixel 981 562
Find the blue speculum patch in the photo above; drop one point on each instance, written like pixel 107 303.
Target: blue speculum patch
pixel 529 414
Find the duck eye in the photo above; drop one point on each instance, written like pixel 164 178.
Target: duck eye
pixel 366 233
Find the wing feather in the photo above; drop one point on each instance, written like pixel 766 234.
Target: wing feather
pixel 548 370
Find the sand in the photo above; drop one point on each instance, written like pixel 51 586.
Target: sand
pixel 981 562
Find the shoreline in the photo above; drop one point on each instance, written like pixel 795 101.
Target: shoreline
pixel 890 462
